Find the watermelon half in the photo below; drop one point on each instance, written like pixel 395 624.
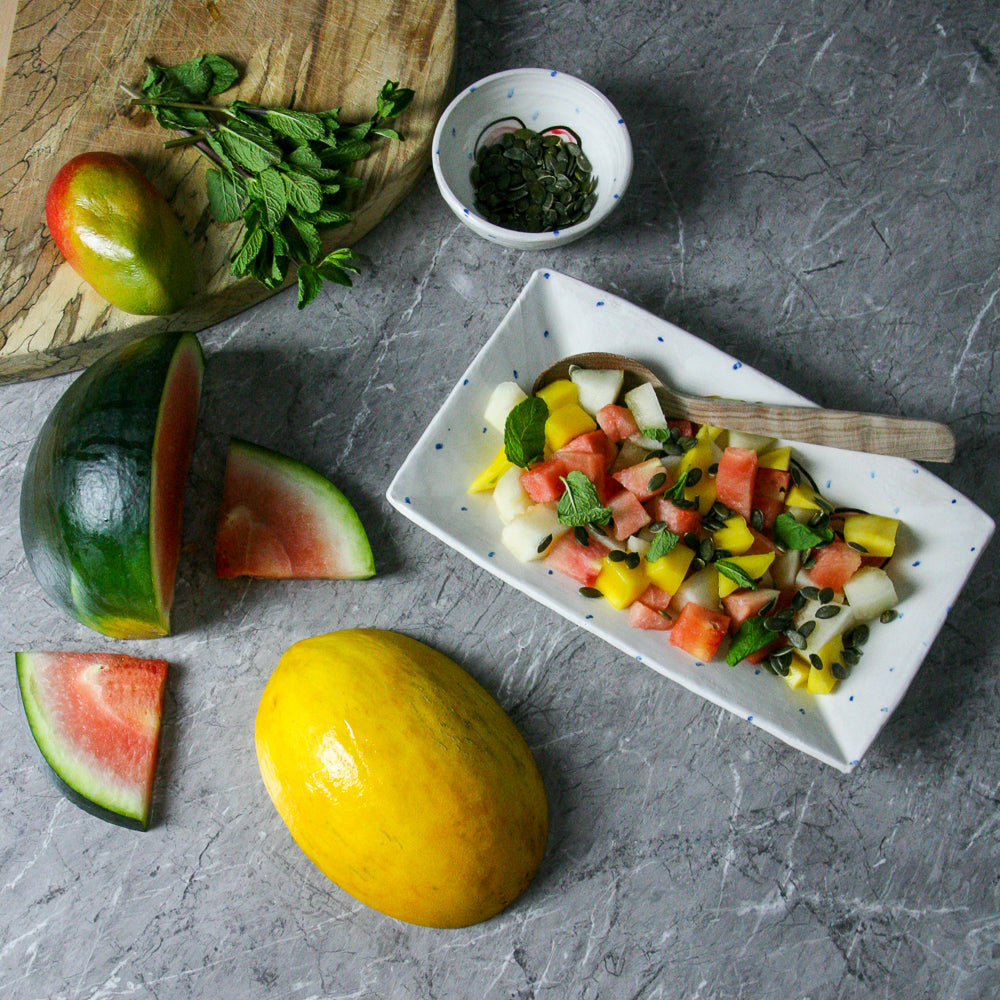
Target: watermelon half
pixel 102 495
pixel 280 519
pixel 96 719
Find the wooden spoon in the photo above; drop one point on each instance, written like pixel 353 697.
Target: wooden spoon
pixel 917 439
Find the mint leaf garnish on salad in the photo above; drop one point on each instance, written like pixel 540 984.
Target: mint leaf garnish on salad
pixel 663 544
pixel 752 635
pixel 580 504
pixel 792 534
pixel 524 432
pixel 736 573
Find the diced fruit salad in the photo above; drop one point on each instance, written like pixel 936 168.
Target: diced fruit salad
pixel 716 537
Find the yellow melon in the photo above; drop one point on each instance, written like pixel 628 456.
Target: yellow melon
pixel 401 777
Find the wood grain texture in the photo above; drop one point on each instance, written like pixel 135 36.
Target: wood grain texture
pixel 61 97
pixel 904 437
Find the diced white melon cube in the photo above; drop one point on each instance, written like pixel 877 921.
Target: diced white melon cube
pixel 785 567
pixel 645 406
pixel 870 592
pixel 825 628
pixel 502 400
pixel 530 534
pixel 597 387
pixel 702 587
pixel 510 496
pixel 753 442
pixel 637 544
pixel 629 454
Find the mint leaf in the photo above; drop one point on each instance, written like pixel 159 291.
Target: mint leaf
pixel 792 534
pixel 310 282
pixel 750 636
pixel 227 195
pixel 661 434
pixel 580 503
pixel 663 544
pixel 524 432
pixel 295 124
pixel 736 573
pixel 676 492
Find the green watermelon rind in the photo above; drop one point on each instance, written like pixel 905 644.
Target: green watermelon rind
pixel 324 499
pixel 83 785
pixel 98 564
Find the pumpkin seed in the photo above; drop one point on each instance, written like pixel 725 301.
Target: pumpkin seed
pixel 657 481
pixel 816 661
pixel 828 611
pixel 580 534
pixel 590 592
pixel 530 182
pixel 839 670
pixel 544 543
pixel 888 616
pixel 617 555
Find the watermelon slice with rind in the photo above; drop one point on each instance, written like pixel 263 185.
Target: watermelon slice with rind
pixel 96 719
pixel 103 488
pixel 280 519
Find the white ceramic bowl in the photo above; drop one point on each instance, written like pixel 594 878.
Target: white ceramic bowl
pixel 541 99
pixel 942 534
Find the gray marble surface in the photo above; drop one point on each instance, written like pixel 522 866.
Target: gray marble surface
pixel 815 191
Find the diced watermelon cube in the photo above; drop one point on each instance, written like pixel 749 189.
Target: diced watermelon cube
pixel 735 479
pixel 769 489
pixel 656 598
pixel 679 520
pixel 595 442
pixel 761 542
pixel 590 463
pixel 836 563
pixel 641 616
pixel 617 422
pixel 638 479
pixel 543 481
pixel 581 562
pixel 628 515
pixel 744 603
pixel 699 631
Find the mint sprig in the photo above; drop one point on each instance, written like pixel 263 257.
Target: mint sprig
pixel 281 171
pixel 524 431
pixel 663 544
pixel 792 534
pixel 752 635
pixel 736 573
pixel 580 505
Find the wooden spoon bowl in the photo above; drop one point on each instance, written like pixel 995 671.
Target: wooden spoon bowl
pixel 923 440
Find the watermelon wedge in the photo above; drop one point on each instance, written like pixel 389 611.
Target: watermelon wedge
pixel 280 519
pixel 96 719
pixel 103 488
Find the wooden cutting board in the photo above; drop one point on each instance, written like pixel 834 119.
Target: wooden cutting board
pixel 61 97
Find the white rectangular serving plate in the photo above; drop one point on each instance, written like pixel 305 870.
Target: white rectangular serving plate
pixel 940 538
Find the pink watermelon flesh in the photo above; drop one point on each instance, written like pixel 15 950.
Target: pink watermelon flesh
pixel 96 719
pixel 172 451
pixel 280 519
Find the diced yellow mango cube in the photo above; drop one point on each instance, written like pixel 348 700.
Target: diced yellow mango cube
pixel 668 571
pixel 802 495
pixel 735 537
pixel 487 479
pixel 874 533
pixel 701 455
pixel 798 673
pixel 821 679
pixel 620 584
pixel 776 458
pixel 566 423
pixel 560 393
pixel 754 566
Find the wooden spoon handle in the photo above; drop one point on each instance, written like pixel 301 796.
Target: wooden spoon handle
pixel 915 439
